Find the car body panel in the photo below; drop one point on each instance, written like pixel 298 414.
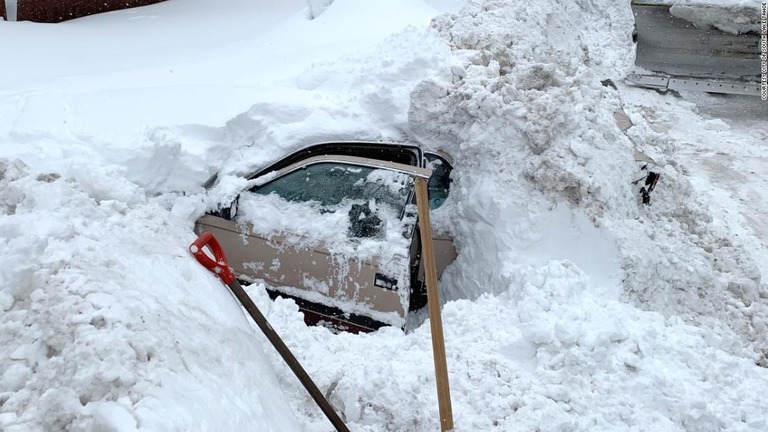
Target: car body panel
pixel 311 274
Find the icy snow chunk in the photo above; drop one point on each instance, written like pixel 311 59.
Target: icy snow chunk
pixel 538 333
pixel 557 392
pixel 188 208
pixel 756 421
pixel 759 325
pixel 108 183
pixel 166 161
pixel 522 352
pixel 458 71
pixel 744 289
pixel 699 417
pixel 15 376
pixel 12 170
pixel 535 76
pixel 112 417
pixel 59 407
pixel 32 353
pixel 7 419
pixel 567 333
pixel 10 195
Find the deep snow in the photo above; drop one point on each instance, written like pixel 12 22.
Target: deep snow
pixel 571 306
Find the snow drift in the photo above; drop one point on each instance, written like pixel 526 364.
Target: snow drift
pixel 528 114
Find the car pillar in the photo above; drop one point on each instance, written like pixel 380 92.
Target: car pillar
pixel 433 304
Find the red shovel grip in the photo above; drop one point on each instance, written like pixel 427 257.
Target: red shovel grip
pixel 219 267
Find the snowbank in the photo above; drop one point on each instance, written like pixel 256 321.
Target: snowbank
pixel 102 329
pixel 532 123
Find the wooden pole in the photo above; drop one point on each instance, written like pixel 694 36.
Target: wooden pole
pixel 433 303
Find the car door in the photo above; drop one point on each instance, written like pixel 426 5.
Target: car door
pixel 332 231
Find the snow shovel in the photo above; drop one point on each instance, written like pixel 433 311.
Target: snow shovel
pixel 221 269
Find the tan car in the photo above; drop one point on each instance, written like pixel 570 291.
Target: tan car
pixel 333 226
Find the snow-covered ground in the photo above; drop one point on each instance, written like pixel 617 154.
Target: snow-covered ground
pixel 571 306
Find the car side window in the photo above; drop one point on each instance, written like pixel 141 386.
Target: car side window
pixel 439 184
pixel 372 200
pixel 331 183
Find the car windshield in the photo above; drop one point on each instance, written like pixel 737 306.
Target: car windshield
pixel 331 184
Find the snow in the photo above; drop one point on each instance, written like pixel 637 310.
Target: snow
pixel 742 17
pixel 571 306
pixel 731 16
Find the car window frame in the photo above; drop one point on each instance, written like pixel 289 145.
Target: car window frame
pixel 413 171
pixel 346 148
pixel 272 176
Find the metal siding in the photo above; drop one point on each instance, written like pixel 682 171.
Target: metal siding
pixel 54 11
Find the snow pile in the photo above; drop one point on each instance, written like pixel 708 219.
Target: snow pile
pixel 101 329
pixel 532 123
pixel 542 184
pixel 108 324
pixel 551 354
pixel 709 272
pixel 532 126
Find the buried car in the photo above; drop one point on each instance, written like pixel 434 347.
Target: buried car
pixel 334 227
